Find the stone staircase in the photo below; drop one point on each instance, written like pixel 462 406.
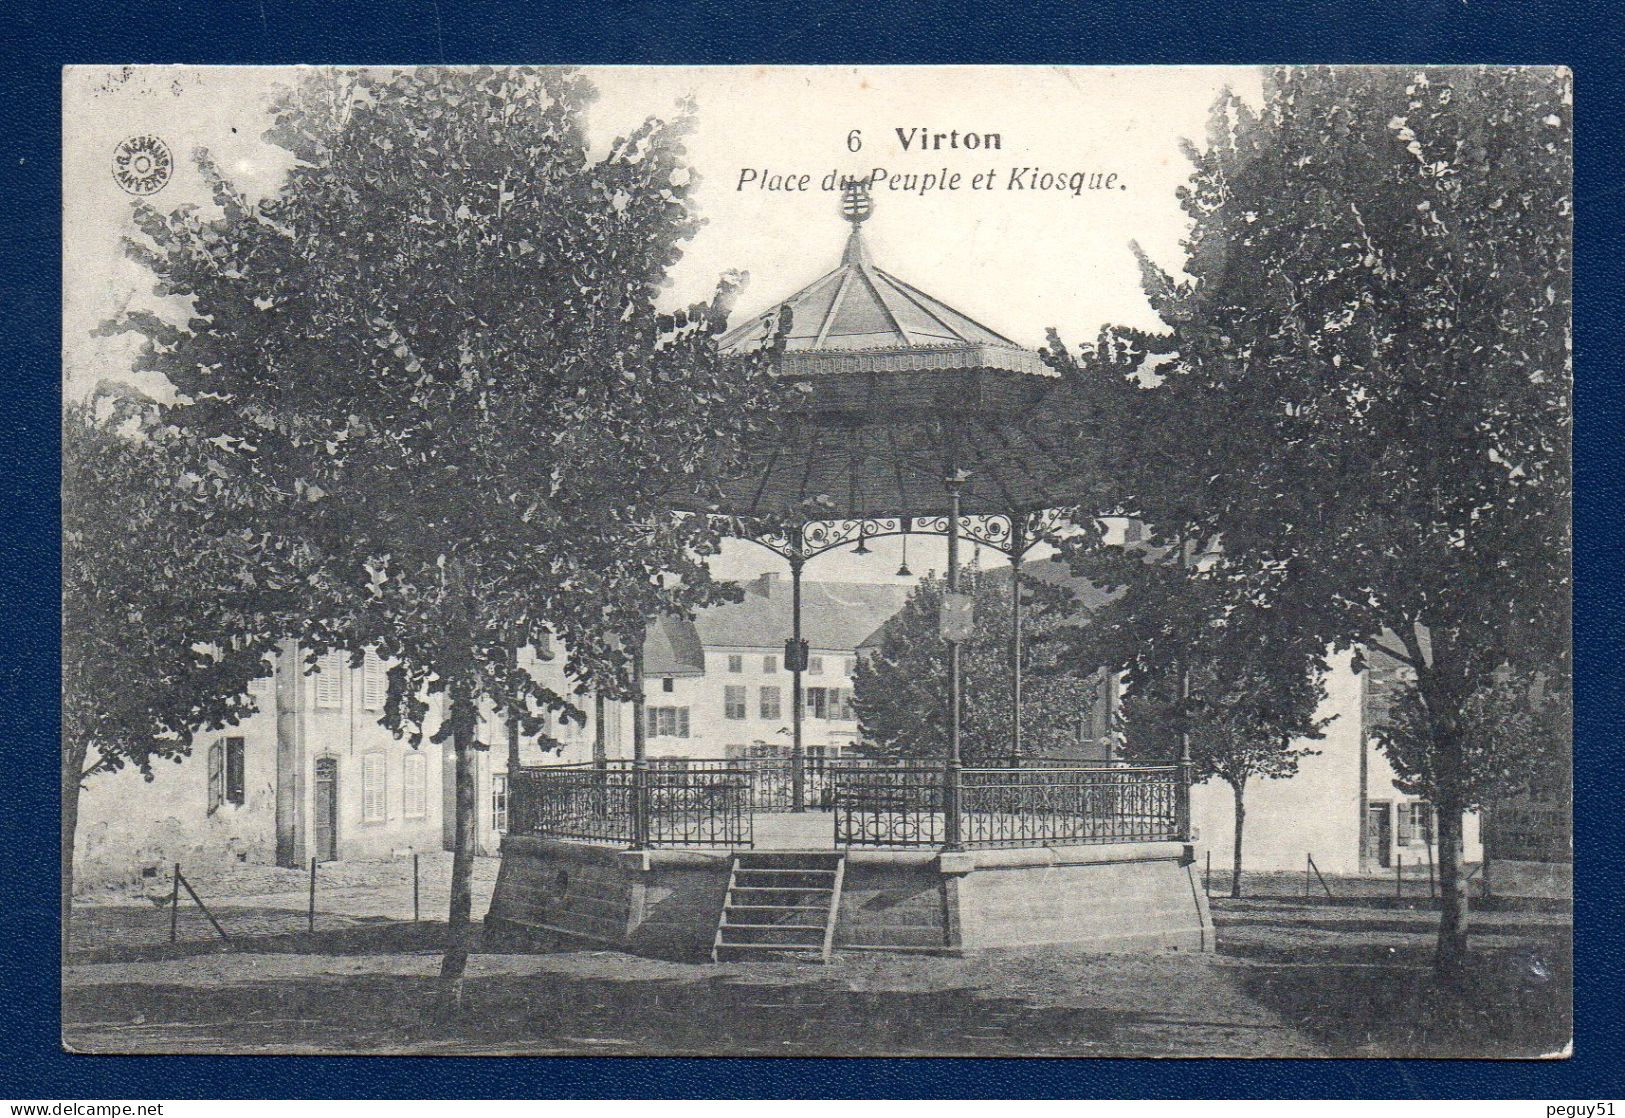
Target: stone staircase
pixel 780 903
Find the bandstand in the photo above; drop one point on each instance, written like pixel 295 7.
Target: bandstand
pixel 908 418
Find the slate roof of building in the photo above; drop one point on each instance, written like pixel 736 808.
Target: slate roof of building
pixel 835 616
pixel 1088 596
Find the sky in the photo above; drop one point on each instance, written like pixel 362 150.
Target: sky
pixel 1019 258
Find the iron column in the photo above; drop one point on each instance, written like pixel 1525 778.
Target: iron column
pixel 640 755
pixel 950 797
pixel 798 787
pixel 600 736
pixel 1018 546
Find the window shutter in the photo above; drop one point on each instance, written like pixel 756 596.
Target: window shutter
pixel 234 770
pixel 330 681
pixel 414 775
pixel 682 722
pixel 374 682
pixel 216 776
pixel 1403 837
pixel 372 787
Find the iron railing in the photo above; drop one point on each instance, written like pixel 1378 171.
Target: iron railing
pixel 894 805
pixel 573 802
pixel 875 803
pixel 703 803
pixel 1069 807
pixel 775 781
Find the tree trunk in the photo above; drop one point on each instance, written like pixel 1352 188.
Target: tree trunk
pixel 73 767
pixel 1235 854
pixel 1444 692
pixel 1450 960
pixel 459 923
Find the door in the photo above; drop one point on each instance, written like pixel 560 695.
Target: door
pixel 327 809
pixel 1379 829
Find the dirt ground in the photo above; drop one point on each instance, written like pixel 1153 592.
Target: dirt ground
pixel 1340 976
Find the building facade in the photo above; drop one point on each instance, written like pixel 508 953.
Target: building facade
pixel 314 775
pixel 1344 807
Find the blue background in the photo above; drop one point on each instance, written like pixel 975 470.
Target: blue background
pixel 39 39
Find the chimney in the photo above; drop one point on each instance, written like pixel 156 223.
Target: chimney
pixel 766 582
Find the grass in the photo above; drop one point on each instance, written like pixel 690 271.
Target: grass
pixel 1291 978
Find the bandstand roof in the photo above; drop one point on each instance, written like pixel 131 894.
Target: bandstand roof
pixel 900 389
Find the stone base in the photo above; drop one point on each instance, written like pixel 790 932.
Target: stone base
pixel 1130 897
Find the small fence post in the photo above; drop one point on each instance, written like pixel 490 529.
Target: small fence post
pixel 310 916
pixel 1307 859
pixel 414 887
pixel 174 902
pixel 1399 874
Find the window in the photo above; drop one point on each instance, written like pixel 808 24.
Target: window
pixel 733 702
pixel 736 664
pixel 667 684
pixel 815 665
pixel 1414 824
pixel 217 776
pixel 330 681
pixel 819 756
pixel 830 703
pixel 414 786
pixel 851 666
pixel 234 771
pixel 769 706
pixel 374 682
pixel 842 698
pixel 667 722
pixel 770 665
pixel 770 750
pixel 499 802
pixel 373 807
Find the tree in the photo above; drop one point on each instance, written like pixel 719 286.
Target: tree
pixel 434 362
pixel 1366 393
pixel 1243 683
pixel 1516 731
pixel 900 689
pixel 147 593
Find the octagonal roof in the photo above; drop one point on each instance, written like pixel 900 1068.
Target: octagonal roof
pixel 861 318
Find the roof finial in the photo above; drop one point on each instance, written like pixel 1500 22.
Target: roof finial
pixel 856 204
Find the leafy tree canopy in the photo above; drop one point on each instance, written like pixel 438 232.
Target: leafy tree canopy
pixel 435 363
pixel 900 689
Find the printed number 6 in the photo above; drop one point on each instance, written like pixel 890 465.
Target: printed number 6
pixel 854 140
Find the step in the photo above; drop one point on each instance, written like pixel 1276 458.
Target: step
pixel 787 861
pixel 773 934
pixel 779 903
pixel 825 889
pixel 724 951
pixel 750 912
